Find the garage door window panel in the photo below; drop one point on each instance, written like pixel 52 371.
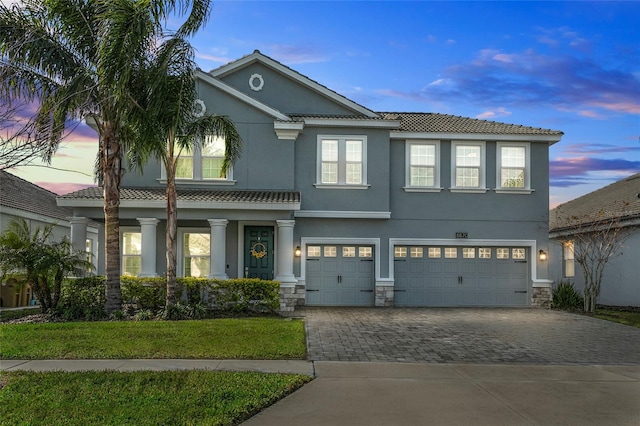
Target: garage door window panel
pixel 416 252
pixel 365 252
pixel 451 252
pixel 502 253
pixel 435 252
pixel 400 252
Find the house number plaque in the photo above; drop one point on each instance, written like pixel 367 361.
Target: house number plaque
pixel 462 235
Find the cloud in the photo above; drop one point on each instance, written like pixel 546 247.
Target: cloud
pixel 567 172
pixel 498 112
pixel 294 54
pixel 527 78
pixel 599 149
pixel 61 188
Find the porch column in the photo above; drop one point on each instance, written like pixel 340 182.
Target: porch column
pixel 79 232
pixel 148 249
pixel 218 249
pixel 285 252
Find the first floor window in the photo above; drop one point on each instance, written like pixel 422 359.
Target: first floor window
pixel 196 255
pixel 131 253
pixel 341 160
pixel 569 259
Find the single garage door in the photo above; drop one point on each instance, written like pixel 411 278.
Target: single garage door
pixel 461 276
pixel 339 275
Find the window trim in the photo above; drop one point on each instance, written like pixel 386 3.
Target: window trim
pixel 527 168
pixel 342 162
pixel 180 267
pixel 436 167
pixel 197 178
pixel 127 230
pixel 482 181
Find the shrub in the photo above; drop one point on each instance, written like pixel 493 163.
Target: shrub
pixel 246 295
pixel 184 311
pixel 144 293
pixel 565 296
pixel 82 299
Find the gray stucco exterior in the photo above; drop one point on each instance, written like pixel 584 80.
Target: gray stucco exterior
pixel 282 117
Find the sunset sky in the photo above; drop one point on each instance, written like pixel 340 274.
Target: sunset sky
pixel 570 66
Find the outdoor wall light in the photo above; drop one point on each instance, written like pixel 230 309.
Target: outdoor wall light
pixel 542 255
pixel 297 252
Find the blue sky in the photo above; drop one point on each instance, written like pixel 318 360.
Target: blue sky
pixel 570 66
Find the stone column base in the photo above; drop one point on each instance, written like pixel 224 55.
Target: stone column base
pixel 290 297
pixel 384 295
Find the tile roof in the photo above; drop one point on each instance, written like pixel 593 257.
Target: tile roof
pixel 19 194
pixel 192 195
pixel 618 200
pixel 446 123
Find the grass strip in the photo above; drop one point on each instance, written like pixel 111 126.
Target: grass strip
pixel 237 338
pixel 140 398
pixel 622 317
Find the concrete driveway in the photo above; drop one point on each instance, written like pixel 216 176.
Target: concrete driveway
pixel 468 335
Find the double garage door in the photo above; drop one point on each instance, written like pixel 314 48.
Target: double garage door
pixel 340 275
pixel 461 276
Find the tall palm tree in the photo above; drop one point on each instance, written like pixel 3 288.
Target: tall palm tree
pixel 171 125
pixel 78 59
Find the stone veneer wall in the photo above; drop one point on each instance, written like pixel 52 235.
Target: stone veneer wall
pixel 541 297
pixel 290 297
pixel 384 295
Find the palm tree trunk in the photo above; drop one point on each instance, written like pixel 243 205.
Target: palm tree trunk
pixel 172 229
pixel 111 172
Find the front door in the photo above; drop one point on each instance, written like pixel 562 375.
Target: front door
pixel 258 252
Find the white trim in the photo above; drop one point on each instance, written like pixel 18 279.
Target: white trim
pixel 347 122
pixel 437 166
pixel 551 139
pixel 338 186
pixel 256 87
pixel 288 130
pixel 207 78
pixel 207 182
pixel 531 244
pixel 10 211
pixel 469 190
pixel 304 241
pixel 514 191
pixel 334 214
pixel 256 56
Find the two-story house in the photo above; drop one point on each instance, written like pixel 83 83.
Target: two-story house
pixel 346 206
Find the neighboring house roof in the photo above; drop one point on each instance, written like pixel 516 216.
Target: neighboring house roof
pixel 620 200
pixel 446 123
pixel 264 198
pixel 16 193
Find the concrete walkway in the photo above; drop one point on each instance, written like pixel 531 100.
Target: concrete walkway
pixel 391 393
pixel 370 393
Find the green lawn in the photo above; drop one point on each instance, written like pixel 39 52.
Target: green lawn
pixel 232 338
pixel 623 317
pixel 139 398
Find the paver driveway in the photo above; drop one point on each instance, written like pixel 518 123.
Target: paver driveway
pixel 457 335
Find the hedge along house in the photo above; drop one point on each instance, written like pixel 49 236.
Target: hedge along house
pixel 346 206
pixel 36 205
pixel 617 204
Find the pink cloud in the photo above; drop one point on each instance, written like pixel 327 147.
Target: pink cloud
pixel 61 188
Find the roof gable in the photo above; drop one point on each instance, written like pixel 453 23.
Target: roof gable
pixel 259 61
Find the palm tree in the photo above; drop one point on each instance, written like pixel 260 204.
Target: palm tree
pixel 79 59
pixel 167 109
pixel 31 253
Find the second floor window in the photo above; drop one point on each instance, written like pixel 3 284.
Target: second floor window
pixel 422 165
pixel 342 160
pixel 204 162
pixel 469 164
pixel 513 166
